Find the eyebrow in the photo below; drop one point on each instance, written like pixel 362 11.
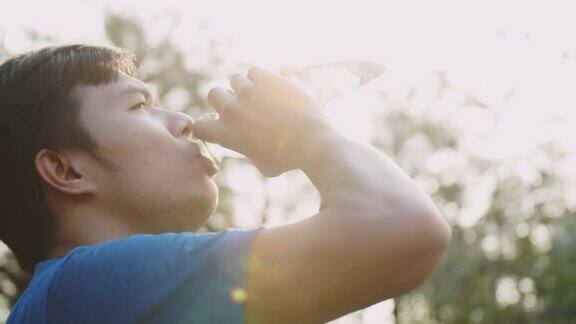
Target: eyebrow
pixel 142 89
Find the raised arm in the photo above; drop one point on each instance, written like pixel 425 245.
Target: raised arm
pixel 376 236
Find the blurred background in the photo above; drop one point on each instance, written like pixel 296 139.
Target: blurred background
pixel 476 103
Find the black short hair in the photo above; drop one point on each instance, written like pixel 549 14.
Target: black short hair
pixel 39 108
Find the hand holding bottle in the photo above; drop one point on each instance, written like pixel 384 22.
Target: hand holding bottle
pixel 268 118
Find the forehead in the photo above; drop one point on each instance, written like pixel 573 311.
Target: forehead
pixel 112 93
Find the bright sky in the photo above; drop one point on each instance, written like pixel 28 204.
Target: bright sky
pixel 488 47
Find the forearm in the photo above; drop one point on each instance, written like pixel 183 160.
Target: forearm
pixel 346 172
pixel 370 203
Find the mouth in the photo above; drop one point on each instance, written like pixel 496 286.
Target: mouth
pixel 200 152
pixel 209 165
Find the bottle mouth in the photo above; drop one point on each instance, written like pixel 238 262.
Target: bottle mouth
pixel 188 139
pixel 203 148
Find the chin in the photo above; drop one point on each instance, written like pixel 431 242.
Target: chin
pixel 209 198
pixel 196 207
pixel 204 207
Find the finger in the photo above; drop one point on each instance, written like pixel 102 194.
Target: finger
pixel 208 128
pixel 260 77
pixel 256 74
pixel 240 84
pixel 219 99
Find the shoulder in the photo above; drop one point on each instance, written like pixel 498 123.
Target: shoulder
pixel 129 276
pixel 140 261
pixel 164 247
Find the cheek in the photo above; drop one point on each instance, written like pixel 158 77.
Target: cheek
pixel 154 168
pixel 135 142
pixel 148 190
pixel 152 163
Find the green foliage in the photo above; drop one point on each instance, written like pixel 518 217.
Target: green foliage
pixel 12 280
pixel 513 261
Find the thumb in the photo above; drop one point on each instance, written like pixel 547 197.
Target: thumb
pixel 208 128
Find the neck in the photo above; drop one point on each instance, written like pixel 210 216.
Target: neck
pixel 87 228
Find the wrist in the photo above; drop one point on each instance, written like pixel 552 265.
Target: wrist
pixel 319 149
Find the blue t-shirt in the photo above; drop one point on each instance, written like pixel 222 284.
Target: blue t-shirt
pixel 144 278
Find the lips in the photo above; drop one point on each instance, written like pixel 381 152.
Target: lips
pixel 207 163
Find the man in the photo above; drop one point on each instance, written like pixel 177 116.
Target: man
pixel 102 191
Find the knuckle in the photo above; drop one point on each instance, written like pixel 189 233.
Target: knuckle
pixel 245 90
pixel 212 92
pixel 253 73
pixel 212 95
pixel 233 110
pixel 235 77
pixel 219 98
pixel 235 80
pixel 227 104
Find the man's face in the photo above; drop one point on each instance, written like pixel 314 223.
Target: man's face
pixel 159 183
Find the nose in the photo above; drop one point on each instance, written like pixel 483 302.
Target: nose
pixel 183 128
pixel 179 124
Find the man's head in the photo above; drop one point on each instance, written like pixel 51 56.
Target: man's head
pixel 84 150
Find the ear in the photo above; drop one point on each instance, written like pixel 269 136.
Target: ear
pixel 63 172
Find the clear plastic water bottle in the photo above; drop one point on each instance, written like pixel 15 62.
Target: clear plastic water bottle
pixel 327 81
pixel 324 82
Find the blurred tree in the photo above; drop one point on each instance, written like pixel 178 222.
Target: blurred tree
pixel 513 253
pixel 513 256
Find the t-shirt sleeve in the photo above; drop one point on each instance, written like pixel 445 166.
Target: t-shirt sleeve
pixel 166 278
